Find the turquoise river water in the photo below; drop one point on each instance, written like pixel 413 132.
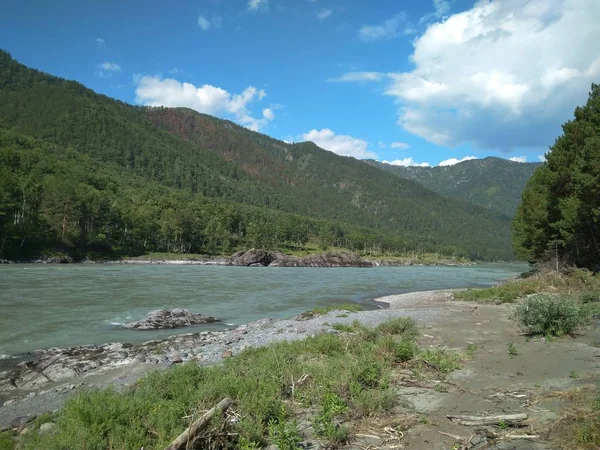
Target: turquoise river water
pixel 64 305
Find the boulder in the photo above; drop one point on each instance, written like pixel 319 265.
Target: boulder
pixel 47 428
pixel 164 318
pixel 253 257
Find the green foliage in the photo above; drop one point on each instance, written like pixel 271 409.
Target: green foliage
pixel 331 408
pixel 512 350
pixel 405 351
pixel 471 349
pixel 400 326
pixel 283 432
pixel 84 174
pixel 443 361
pixel 578 280
pixel 7 441
pixel 322 310
pixel 342 377
pixel 494 183
pixel 559 216
pixel 553 315
pixel 505 293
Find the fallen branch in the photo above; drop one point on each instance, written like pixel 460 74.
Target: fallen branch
pixel 453 436
pixel 520 436
pixel 508 419
pixel 190 433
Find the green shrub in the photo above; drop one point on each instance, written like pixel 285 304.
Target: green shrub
pixel 551 315
pixel 401 326
pixel 284 432
pixel 443 361
pixel 590 297
pixel 343 328
pixel 405 351
pixel 332 407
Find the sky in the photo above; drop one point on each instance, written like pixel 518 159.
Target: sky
pixel 422 82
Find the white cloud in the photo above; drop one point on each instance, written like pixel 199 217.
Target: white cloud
pixel 358 76
pixel 341 144
pixel 100 43
pixel 542 158
pixel 400 145
pixel 520 159
pixel 389 29
pixel 406 162
pixel 268 114
pixel 441 9
pixel 324 13
pixel 107 69
pixel 381 144
pixel 258 5
pixel 206 24
pixel 155 91
pixel 500 75
pixel 453 161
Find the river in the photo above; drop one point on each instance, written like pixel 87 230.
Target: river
pixel 63 305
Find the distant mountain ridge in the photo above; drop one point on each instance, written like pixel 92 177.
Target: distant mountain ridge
pixel 215 163
pixel 494 183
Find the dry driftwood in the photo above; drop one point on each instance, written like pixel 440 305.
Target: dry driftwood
pixel 509 419
pixel 190 433
pixel 521 436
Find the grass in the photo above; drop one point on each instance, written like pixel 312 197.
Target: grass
pixel 580 428
pixel 322 310
pixel 581 282
pixel 6 441
pixel 332 379
pixel 512 350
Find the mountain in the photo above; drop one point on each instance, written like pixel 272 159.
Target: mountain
pixel 94 172
pixel 494 183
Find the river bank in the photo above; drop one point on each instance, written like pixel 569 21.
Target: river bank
pixel 42 382
pixel 260 258
pixel 524 380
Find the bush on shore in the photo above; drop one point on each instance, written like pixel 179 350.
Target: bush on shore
pixel 553 315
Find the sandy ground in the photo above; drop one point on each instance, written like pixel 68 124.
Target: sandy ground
pixel 492 382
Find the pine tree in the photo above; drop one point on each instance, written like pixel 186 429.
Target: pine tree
pixel 559 215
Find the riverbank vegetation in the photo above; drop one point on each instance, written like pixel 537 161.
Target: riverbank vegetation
pixel 283 394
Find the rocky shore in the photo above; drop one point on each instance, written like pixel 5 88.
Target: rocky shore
pixel 42 383
pixel 267 258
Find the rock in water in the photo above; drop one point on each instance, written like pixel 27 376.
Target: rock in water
pixel 164 318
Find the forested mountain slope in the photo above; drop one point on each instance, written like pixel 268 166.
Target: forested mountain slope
pixel 494 183
pixel 205 157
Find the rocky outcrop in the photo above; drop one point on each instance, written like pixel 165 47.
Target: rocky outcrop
pixel 165 319
pixel 326 259
pixel 253 257
pixel 261 257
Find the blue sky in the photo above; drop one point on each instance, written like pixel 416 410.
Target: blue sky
pixel 409 82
